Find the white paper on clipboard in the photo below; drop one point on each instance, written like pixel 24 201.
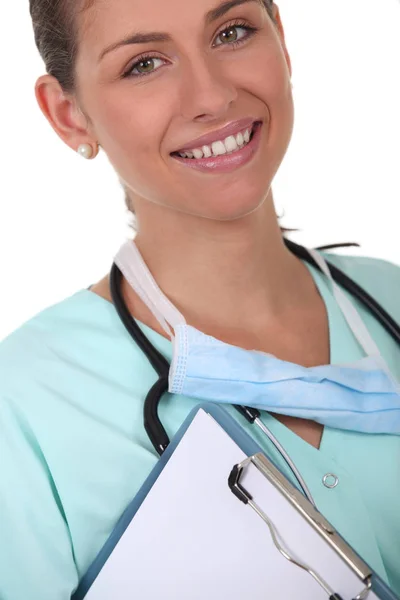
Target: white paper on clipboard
pixel 192 539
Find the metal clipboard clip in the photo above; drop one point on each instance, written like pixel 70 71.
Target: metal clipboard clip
pixel 306 509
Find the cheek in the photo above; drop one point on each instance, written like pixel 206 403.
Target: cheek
pixel 131 121
pixel 269 80
pixel 132 130
pixel 269 75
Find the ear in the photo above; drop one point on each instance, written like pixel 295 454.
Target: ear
pixel 281 33
pixel 63 113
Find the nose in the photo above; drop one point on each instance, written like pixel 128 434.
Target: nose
pixel 206 93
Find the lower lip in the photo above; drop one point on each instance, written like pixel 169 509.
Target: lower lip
pixel 226 162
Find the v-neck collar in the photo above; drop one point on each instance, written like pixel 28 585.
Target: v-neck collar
pixel 339 353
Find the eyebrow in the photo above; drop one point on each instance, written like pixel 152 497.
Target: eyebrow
pixel 155 36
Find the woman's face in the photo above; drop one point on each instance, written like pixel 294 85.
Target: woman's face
pixel 208 69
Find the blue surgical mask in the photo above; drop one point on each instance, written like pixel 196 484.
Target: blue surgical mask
pixel 361 396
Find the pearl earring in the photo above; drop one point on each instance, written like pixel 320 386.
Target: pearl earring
pixel 85 150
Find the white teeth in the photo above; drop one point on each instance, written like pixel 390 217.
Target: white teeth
pixel 218 148
pixel 231 144
pixel 198 153
pixel 240 139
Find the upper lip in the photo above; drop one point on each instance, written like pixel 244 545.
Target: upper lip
pixel 232 128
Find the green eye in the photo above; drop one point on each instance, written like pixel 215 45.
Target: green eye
pixel 145 66
pixel 230 35
pixel 235 34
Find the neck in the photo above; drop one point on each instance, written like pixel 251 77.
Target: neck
pixel 223 272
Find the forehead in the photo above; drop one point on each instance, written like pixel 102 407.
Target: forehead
pixel 103 19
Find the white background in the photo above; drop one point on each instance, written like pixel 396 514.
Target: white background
pixel 62 218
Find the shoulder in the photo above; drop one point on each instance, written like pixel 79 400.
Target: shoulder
pixel 57 337
pixel 49 324
pixel 380 278
pixel 72 350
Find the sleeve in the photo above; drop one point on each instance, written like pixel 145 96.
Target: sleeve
pixel 36 557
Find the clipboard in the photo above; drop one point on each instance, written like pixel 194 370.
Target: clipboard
pixel 158 557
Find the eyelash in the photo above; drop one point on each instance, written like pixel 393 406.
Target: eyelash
pixel 251 31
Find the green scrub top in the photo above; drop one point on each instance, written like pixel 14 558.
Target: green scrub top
pixel 73 450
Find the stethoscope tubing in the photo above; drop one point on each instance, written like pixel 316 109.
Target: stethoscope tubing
pixel 152 423
pixel 391 326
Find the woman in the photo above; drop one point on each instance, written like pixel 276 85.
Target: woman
pixel 161 86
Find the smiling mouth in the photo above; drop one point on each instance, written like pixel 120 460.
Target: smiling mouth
pixel 229 145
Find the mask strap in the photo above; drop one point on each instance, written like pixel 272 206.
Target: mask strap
pixel 349 311
pixel 136 272
pixel 131 264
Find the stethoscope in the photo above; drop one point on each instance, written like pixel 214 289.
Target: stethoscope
pixel 153 426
